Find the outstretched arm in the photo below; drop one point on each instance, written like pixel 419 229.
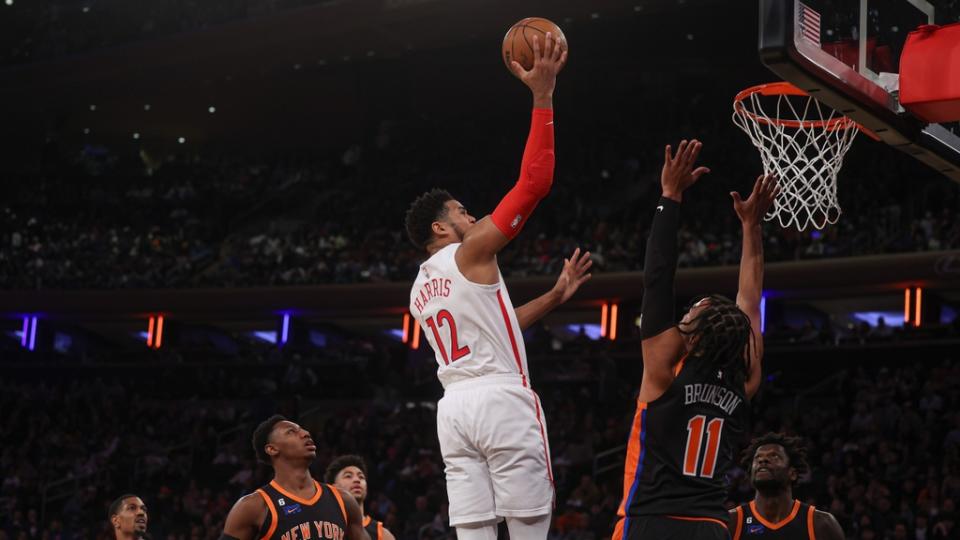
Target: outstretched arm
pixel 749 294
pixel 573 275
pixel 476 257
pixel 661 341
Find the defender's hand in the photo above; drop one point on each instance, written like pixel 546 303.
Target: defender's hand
pixel 678 173
pixel 573 275
pixel 752 210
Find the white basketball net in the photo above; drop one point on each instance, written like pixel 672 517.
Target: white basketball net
pixel 803 143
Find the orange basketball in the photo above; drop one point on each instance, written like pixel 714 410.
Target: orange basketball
pixel 518 43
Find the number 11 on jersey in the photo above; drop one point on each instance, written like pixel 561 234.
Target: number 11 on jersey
pixel 691 456
pixel 458 351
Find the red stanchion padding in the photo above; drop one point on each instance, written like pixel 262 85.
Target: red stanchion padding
pixel 930 73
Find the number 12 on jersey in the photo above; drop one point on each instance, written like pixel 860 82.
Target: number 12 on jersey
pixel 691 455
pixel 458 351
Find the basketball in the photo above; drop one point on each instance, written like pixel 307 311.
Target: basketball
pixel 518 43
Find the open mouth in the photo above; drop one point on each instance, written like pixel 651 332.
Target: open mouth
pixel 141 522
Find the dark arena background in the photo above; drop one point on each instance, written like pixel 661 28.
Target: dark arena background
pixel 202 225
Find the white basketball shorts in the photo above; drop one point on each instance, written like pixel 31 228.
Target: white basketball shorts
pixel 493 438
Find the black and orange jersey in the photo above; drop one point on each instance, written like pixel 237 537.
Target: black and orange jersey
pixel 750 525
pixel 374 528
pixel 322 517
pixel 680 447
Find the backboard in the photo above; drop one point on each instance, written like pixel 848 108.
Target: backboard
pixel 846 54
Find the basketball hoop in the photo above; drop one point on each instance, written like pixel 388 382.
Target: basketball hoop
pixel 802 142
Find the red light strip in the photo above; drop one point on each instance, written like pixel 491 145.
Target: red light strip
pixel 156 344
pixel 613 321
pixel 906 306
pixel 916 317
pixel 603 320
pixel 150 333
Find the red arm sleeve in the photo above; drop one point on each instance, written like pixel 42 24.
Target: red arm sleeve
pixel 536 176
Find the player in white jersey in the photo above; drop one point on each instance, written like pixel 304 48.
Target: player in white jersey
pixel 490 424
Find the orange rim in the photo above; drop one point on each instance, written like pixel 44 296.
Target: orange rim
pixel 787 89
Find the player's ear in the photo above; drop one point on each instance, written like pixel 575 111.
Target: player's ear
pixel 438 227
pixel 793 475
pixel 271 450
pixel 115 520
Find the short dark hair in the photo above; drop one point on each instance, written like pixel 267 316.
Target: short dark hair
pixel 261 436
pixel 116 505
pixel 793 446
pixel 341 463
pixel 423 211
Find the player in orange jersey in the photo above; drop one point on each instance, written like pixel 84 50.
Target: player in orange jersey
pixel 775 461
pixel 349 473
pixel 698 375
pixel 293 504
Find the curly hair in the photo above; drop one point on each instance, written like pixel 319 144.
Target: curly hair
pixel 793 446
pixel 341 463
pixel 424 210
pixel 723 334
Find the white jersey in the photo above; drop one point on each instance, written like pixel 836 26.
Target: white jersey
pixel 472 327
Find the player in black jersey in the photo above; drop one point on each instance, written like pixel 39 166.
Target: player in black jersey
pixel 775 462
pixel 698 375
pixel 349 473
pixel 293 506
pixel 128 518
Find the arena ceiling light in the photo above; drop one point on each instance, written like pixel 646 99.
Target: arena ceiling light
pixel 28 336
pixel 912 306
pixel 609 314
pixel 285 329
pixel 270 336
pixel 590 330
pixel 155 332
pixel 405 333
pixel 763 314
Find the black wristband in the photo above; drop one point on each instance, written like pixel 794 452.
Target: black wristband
pixel 659 266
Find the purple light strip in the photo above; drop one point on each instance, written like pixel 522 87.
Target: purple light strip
pixel 33 333
pixel 285 332
pixel 26 331
pixel 763 314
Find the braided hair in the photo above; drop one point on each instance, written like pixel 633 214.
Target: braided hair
pixel 721 335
